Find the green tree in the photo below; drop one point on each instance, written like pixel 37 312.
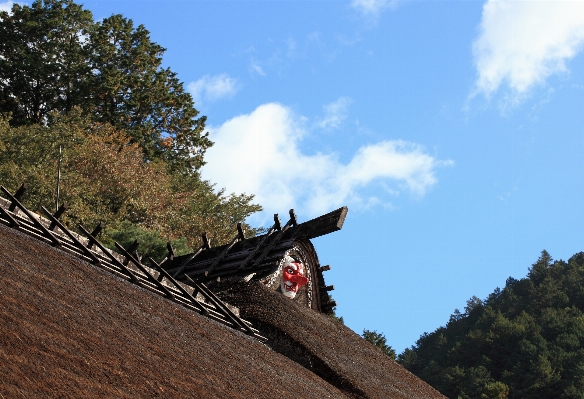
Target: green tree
pixel 131 91
pixel 495 390
pixel 152 244
pixel 132 139
pixel 53 56
pixel 105 178
pixel 379 340
pixel 43 59
pixel 524 341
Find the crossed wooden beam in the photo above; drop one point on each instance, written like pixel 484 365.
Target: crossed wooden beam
pixel 126 265
pixel 257 255
pixel 182 279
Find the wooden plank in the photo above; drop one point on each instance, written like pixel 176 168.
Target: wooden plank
pixel 277 226
pixel 267 267
pixel 211 297
pixel 187 260
pixel 275 240
pixel 179 287
pixel 137 263
pixel 82 247
pixel 320 226
pixel 235 257
pixel 11 220
pixel 54 241
pixel 222 255
pixel 108 254
pixel 325 224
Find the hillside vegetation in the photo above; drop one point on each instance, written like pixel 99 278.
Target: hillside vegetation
pixel 524 341
pixel 92 97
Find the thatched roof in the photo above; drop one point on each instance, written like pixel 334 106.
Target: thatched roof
pixel 71 330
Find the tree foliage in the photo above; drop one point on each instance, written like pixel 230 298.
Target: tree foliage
pixel 379 340
pixel 152 244
pixel 105 178
pixel 54 57
pixel 524 341
pixel 43 59
pixel 333 312
pixel 132 140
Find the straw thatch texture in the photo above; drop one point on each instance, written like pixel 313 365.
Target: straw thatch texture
pixel 70 330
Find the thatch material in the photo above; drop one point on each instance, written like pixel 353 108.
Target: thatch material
pixel 325 346
pixel 70 330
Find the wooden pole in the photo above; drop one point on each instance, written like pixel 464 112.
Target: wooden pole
pixel 58 178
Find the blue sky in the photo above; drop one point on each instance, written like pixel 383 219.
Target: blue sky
pixel 451 129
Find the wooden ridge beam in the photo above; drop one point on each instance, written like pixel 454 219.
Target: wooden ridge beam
pixel 257 248
pixel 322 225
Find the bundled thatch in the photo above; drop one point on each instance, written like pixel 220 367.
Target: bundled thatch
pixel 70 330
pixel 325 346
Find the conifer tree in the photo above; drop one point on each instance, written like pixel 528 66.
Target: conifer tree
pixel 53 57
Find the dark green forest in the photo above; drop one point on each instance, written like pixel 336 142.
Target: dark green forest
pixel 523 341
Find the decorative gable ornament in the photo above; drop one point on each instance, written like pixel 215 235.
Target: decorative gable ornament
pixel 283 259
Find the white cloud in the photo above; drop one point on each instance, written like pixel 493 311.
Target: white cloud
pixel 212 88
pixel 372 7
pixel 522 43
pixel 256 67
pixel 335 113
pixel 7 6
pixel 292 47
pixel 258 153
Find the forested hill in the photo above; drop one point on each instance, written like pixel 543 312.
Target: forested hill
pixel 524 341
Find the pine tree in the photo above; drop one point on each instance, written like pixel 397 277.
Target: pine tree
pixel 379 340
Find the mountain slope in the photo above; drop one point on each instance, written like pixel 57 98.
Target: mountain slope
pixel 524 341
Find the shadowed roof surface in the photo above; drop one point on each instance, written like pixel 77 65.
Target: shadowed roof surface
pixel 70 330
pixel 326 347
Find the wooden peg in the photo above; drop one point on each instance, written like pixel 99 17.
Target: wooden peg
pixel 330 304
pixel 170 249
pixel 97 229
pixel 240 232
pixel 132 250
pixel 293 219
pixel 60 211
pixel 134 246
pixel 277 222
pixel 328 307
pixel 21 191
pixel 18 194
pixel 57 215
pixel 206 241
pixel 94 233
